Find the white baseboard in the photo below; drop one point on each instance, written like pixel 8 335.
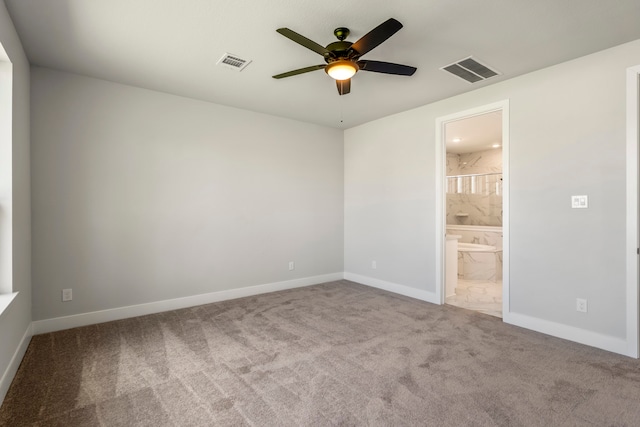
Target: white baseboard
pixel 11 370
pixel 570 333
pixel 68 322
pixel 393 287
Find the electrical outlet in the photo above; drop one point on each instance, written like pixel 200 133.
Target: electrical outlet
pixel 67 295
pixel 581 305
pixel 374 265
pixel 292 265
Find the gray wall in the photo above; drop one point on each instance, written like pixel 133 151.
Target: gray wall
pixel 140 196
pixel 567 136
pixel 15 321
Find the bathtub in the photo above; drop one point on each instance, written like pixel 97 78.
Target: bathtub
pixel 475 247
pixel 479 262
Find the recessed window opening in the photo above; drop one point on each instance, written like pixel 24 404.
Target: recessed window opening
pixel 6 246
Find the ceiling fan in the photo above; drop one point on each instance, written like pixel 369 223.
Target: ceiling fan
pixel 343 57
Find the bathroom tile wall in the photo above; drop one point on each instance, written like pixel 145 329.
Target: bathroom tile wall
pixel 480 162
pixel 475 200
pixel 453 161
pixel 474 209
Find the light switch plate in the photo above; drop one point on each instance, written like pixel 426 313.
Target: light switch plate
pixel 579 202
pixel 67 295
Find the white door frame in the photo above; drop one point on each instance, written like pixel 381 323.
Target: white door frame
pixel 633 123
pixel 441 193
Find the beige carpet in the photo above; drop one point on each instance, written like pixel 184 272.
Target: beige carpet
pixel 332 354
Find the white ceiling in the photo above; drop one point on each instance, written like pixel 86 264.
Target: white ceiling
pixel 173 46
pixel 472 134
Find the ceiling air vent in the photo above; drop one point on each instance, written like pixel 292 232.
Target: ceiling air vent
pixel 229 60
pixel 470 70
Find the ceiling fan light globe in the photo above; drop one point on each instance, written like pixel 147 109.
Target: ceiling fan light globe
pixel 341 70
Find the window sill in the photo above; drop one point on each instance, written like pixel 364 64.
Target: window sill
pixel 6 300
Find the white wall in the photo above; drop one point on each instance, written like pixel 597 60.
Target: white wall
pixel 15 219
pixel 140 196
pixel 567 136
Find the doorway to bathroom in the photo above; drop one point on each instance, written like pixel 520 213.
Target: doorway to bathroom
pixel 474 209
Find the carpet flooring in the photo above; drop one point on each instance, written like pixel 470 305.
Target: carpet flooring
pixel 338 353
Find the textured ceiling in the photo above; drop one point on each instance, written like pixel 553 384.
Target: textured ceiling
pixel 173 46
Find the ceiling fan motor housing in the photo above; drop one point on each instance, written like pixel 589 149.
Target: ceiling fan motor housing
pixel 337 50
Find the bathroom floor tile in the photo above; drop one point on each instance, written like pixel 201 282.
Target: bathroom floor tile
pixel 478 295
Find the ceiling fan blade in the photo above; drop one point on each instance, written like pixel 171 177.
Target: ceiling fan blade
pixel 302 40
pixel 344 86
pixel 376 36
pixel 300 71
pixel 386 67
